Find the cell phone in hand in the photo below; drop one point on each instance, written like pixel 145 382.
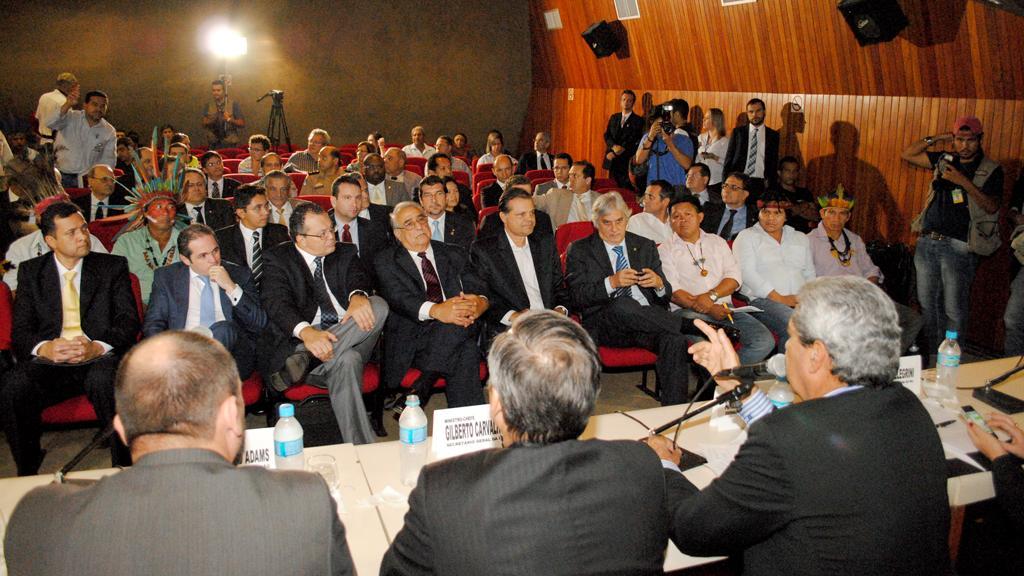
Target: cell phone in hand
pixel 972 415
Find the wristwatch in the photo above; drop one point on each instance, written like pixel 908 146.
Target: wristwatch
pixel 713 295
pixel 929 140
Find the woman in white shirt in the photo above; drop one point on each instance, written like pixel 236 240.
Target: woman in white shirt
pixel 775 261
pixel 712 144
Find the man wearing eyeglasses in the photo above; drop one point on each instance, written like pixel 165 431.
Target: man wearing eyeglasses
pixel 729 219
pixel 325 322
pixel 106 199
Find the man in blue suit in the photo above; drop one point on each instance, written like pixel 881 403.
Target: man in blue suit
pixel 202 291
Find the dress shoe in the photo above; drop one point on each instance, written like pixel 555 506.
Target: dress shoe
pixel 377 423
pixel 294 369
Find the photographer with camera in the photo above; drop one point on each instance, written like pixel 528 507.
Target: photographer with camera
pixel 667 148
pixel 959 224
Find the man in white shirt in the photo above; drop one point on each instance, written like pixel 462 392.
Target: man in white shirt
pixel 652 223
pixel 574 204
pixel 539 158
pixel 444 145
pixel 201 291
pixel 199 207
pixel 704 273
pixel 50 103
pixel 775 261
pixel 419 147
pixel 258 146
pixel 394 170
pixel 560 166
pixel 84 138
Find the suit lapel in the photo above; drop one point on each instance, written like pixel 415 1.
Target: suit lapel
pixel 598 252
pixel 450 283
pixel 180 288
pixel 410 266
pixel 238 244
pixel 51 283
pixel 88 287
pixel 508 262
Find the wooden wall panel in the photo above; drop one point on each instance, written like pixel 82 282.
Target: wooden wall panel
pixel 952 47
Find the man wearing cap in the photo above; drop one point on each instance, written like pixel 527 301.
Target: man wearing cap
pixel 840 252
pixel 963 200
pixel 49 105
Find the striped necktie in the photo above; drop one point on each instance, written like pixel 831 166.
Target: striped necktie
pixel 257 258
pixel 328 315
pixel 752 153
pixel 620 265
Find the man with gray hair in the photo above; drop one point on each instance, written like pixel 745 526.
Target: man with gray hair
pixel 852 480
pixel 49 106
pixel 555 504
pixel 183 507
pixel 308 160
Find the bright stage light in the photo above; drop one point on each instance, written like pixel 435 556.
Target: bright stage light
pixel 224 42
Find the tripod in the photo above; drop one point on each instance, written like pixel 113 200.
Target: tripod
pixel 277 125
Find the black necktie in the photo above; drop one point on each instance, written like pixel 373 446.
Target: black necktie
pixel 101 210
pixel 216 190
pixel 328 315
pixel 199 216
pixel 727 229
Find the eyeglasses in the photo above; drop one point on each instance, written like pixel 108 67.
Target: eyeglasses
pixel 326 234
pixel 418 221
pixel 733 187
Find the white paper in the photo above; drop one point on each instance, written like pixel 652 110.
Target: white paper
pixel 747 309
pixel 719 456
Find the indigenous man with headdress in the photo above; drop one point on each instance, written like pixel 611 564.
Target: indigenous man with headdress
pixel 20 191
pixel 775 261
pixel 840 252
pixel 150 241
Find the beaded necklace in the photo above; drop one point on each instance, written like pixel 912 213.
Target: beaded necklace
pixel 844 256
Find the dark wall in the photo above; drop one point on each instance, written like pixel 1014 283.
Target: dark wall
pixel 348 67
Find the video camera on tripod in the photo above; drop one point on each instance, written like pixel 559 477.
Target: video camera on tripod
pixel 277 126
pixel 278 96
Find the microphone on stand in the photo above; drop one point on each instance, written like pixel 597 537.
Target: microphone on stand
pixel 774 366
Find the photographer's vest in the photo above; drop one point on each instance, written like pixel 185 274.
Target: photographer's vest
pixel 983 231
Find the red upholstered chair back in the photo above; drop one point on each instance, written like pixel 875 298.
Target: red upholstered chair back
pixel 549 174
pixel 414 168
pixel 77 192
pixel 137 292
pixel 484 168
pixel 416 161
pixel 226 153
pixel 231 164
pixel 105 229
pixel 298 178
pixel 323 200
pixel 571 232
pixel 601 184
pixel 484 214
pixel 461 177
pixel 482 183
pixel 6 316
pixel 242 177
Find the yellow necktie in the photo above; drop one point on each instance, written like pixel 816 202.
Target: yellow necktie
pixel 280 217
pixel 72 326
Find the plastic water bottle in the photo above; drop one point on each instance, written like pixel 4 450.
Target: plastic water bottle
pixel 288 440
pixel 412 431
pixel 947 366
pixel 780 394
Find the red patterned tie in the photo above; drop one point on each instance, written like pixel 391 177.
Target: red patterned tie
pixel 434 293
pixel 346 236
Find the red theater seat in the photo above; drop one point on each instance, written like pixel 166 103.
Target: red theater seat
pixel 626 359
pixel 242 177
pixel 298 178
pixel 461 177
pixel 231 164
pixel 571 232
pixel 105 229
pixel 549 174
pixel 413 374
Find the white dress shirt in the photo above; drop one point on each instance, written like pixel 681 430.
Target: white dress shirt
pixel 276 216
pixel 195 299
pixel 247 241
pixel 47 111
pixel 649 226
pixel 677 256
pixel 190 211
pixel 93 202
pixel 411 151
pixel 543 161
pixel 77 282
pixel 769 265
pixel 634 290
pixel 378 193
pixel 80 146
pixel 528 273
pixel 574 214
pixel 719 148
pixel 334 301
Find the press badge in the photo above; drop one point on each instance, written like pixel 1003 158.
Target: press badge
pixel 958 196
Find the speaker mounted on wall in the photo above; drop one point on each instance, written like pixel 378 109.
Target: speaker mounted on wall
pixel 873 21
pixel 602 39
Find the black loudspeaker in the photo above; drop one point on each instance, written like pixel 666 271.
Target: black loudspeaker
pixel 601 39
pixel 873 21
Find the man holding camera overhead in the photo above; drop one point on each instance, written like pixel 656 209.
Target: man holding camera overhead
pixel 666 148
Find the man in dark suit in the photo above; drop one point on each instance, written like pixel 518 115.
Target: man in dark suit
pixel 615 281
pixel 217 185
pixel 540 158
pixel 522 271
pixel 850 481
pixel 754 150
pixel 735 214
pixel 202 290
pixel 368 236
pixel 183 507
pixel 447 227
pixel 74 317
pixel 317 294
pixel 502 171
pixel 533 504
pixel 435 302
pixel 621 138
pixel 492 224
pixel 200 208
pixel 104 194
pixel 245 243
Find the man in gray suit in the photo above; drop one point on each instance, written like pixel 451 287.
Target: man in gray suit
pixel 382 191
pixel 183 508
pixel 546 502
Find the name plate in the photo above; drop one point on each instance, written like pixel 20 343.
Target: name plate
pixel 463 430
pixel 258 449
pixel 909 373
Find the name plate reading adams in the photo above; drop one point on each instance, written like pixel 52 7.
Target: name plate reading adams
pixel 259 448
pixel 463 430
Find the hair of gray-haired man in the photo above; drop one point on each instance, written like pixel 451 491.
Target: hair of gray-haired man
pixel 609 202
pixel 546 373
pixel 320 132
pixel 857 323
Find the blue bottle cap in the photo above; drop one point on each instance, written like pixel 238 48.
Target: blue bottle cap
pixel 951 334
pixel 285 411
pixel 412 400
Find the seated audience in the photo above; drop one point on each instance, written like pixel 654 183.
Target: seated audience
pixel 574 204
pixel 258 146
pixel 73 319
pixel 502 171
pixel 521 270
pixel 246 243
pixel 181 141
pixel 126 151
pixel 104 199
pixel 539 158
pixel 435 301
pixel 184 503
pixel 319 183
pixel 545 378
pixel 280 194
pixel 840 252
pixel 203 291
pixel 697 179
pixel 368 236
pixel 560 166
pixel 217 185
pixel 362 149
pixel 394 169
pixel 704 274
pixel 804 210
pixel 383 191
pixel 616 283
pixel 852 480
pixel 317 294
pixel 653 223
pixel 307 160
pixel 733 215
pixel 444 146
pixel 152 238
pixel 461 147
pixel 775 261
pixel 198 207
pixel 446 227
pixel 418 148
pixel 495 148
pixel 492 223
pixel 440 165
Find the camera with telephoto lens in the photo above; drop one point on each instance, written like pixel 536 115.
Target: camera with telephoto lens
pixel 666 119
